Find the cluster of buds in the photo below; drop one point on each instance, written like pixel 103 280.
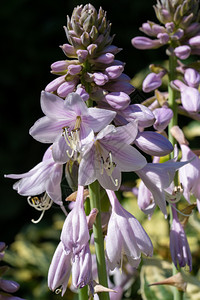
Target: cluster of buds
pixel 92 65
pixel 7 287
pixel 180 32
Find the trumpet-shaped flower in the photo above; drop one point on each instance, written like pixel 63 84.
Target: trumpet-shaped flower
pixel 109 154
pixel 157 177
pixel 44 177
pixel 125 235
pixel 78 236
pixel 72 253
pixel 69 124
pixel 179 248
pixel 190 174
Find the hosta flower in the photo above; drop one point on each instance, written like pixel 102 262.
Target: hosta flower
pixel 190 174
pixel 92 58
pixel 69 124
pixel 153 143
pixel 179 248
pixel 152 81
pixel 108 155
pixel 163 116
pixel 45 177
pixel 125 235
pixel 73 253
pixel 190 97
pixel 192 77
pixel 157 177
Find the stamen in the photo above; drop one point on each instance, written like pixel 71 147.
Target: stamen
pixel 108 165
pixel 40 203
pixel 174 198
pixel 58 290
pixel 72 138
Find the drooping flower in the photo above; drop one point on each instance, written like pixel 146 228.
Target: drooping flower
pixel 108 155
pixel 68 124
pixel 190 97
pixel 190 174
pixel 152 81
pixel 45 177
pixel 72 253
pixel 157 177
pixel 179 248
pixel 125 235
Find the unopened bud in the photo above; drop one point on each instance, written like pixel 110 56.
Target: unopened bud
pixel 182 52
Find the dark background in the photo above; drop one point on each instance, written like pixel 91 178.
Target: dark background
pixel 31 32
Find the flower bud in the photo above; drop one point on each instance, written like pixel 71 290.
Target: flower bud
pixel 190 97
pixel 66 87
pixel 119 85
pixel 9 286
pixel 69 50
pixel 152 82
pixel 163 38
pixel 53 85
pixel 100 78
pixel 59 66
pixel 163 116
pixel 82 55
pixel 182 52
pixel 141 42
pixel 74 69
pixel 106 58
pixel 195 41
pixel 82 92
pixel 114 72
pixel 118 100
pixel 192 77
pixel 153 143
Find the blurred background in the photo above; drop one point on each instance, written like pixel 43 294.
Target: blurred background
pixel 31 32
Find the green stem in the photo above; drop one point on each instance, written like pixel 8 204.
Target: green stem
pixel 83 293
pixel 172 97
pixel 178 295
pixel 94 191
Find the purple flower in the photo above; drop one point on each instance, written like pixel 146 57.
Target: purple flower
pixel 163 116
pixel 157 177
pixel 78 236
pixel 72 253
pixel 192 77
pixel 145 199
pixel 69 124
pixel 143 43
pixel 108 155
pixel 153 143
pixel 152 81
pixel 179 248
pixel 133 112
pixel 125 235
pixel 190 174
pixel 44 177
pixel 59 270
pixel 190 97
pixel 182 52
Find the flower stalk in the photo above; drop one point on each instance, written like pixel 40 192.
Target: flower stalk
pixel 94 193
pixel 177 294
pixel 172 98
